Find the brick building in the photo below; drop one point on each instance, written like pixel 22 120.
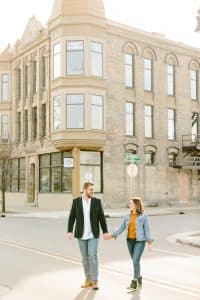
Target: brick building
pixel 79 95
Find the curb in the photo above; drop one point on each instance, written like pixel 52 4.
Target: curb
pixel 153 214
pixel 195 242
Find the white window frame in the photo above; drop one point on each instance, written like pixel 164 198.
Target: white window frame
pixel 4 87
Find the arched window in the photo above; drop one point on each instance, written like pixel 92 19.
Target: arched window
pixel 172 63
pixel 149 55
pixel 129 50
pixel 149 155
pixel 131 148
pixel 194 69
pixel 172 156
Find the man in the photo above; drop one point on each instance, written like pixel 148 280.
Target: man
pixel 87 211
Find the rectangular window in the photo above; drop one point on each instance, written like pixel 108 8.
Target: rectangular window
pixel 75 111
pixel 56 113
pixel 19 126
pixel 129 70
pixel 171 124
pixel 56 172
pixel 97 59
pixel 43 72
pixel 194 85
pixel 26 81
pixel 148 74
pixel 56 61
pixel 75 58
pixel 171 80
pixel 18 84
pixel 148 121
pixel 14 176
pixel 54 177
pixel 91 168
pixel 34 76
pixel 130 119
pixel 4 87
pixel 4 128
pixel 34 128
pixel 97 112
pixel 17 175
pixel 43 114
pixel 26 125
pixel 195 117
pixel 22 174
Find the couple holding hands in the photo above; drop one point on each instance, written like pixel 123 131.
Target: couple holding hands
pixel 88 214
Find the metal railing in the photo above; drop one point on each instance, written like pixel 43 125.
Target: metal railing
pixel 192 162
pixel 191 141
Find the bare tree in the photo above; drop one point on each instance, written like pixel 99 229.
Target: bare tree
pixel 5 157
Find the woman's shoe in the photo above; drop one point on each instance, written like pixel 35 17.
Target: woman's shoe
pixel 133 285
pixel 95 285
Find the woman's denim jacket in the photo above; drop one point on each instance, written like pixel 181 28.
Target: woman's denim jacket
pixel 143 231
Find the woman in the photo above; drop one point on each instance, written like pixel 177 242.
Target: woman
pixel 138 234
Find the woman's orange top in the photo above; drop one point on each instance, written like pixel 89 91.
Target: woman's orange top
pixel 132 226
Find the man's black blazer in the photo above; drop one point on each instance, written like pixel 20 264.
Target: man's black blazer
pixel 96 217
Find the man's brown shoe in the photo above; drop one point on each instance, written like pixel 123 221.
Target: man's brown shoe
pixel 95 285
pixel 88 283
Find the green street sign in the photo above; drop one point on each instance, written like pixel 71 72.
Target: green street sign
pixel 132 158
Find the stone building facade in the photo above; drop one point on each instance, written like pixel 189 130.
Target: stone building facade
pixel 82 95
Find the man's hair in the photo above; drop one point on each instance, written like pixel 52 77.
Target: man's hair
pixel 86 184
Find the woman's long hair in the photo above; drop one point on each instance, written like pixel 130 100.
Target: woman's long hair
pixel 138 205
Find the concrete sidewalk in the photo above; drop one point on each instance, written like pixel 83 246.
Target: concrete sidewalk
pixel 30 211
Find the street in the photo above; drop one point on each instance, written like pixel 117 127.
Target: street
pixel 37 262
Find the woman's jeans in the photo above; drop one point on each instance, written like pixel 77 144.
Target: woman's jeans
pixel 88 249
pixel 136 249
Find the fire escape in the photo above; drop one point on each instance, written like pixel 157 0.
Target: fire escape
pixel 190 153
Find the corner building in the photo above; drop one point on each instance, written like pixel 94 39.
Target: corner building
pixel 84 92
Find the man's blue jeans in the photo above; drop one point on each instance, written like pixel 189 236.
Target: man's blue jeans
pixel 136 249
pixel 88 250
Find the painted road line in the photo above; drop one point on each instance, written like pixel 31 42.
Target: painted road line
pixel 173 252
pixel 159 283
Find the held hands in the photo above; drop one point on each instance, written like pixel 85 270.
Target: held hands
pixel 107 236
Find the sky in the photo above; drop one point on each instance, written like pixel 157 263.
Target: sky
pixel 176 19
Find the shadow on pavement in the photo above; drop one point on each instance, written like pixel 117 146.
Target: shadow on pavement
pixel 86 294
pixel 135 295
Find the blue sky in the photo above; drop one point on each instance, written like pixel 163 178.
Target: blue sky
pixel 174 18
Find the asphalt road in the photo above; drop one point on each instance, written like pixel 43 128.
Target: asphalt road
pixel 37 262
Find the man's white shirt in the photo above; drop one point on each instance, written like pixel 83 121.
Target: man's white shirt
pixel 87 233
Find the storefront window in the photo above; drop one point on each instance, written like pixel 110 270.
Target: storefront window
pixel 91 168
pixel 22 174
pixel 54 177
pixel 45 180
pixel 18 175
